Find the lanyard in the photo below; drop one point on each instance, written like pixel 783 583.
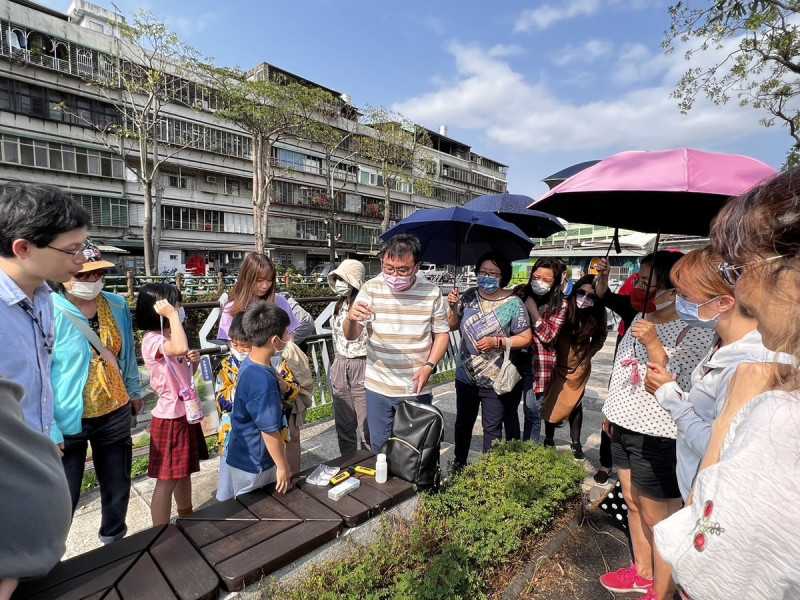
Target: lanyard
pixel 26 306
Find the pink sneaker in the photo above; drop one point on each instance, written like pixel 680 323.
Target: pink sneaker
pixel 650 595
pixel 625 581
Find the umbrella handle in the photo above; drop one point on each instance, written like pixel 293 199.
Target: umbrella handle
pixel 652 270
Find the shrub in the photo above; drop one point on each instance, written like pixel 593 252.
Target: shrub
pixel 459 537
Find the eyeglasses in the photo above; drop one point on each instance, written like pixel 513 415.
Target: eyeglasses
pixel 494 274
pixel 590 295
pixel 731 273
pixel 401 271
pixel 545 281
pixel 73 253
pixel 90 275
pixel 640 283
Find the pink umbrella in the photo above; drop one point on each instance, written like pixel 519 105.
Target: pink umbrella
pixel 671 191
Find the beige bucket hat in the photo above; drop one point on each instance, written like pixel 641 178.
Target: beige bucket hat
pixel 351 271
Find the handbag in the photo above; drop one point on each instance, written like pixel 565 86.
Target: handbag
pixel 508 376
pixel 108 371
pixel 186 391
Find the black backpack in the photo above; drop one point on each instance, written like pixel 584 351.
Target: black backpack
pixel 412 451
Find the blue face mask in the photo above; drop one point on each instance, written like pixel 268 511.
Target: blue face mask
pixel 489 284
pixel 690 312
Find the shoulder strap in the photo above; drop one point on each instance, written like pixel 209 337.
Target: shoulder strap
pixel 90 335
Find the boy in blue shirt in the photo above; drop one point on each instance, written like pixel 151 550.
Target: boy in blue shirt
pixel 256 455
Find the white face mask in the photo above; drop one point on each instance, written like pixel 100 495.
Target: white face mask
pixel 540 288
pixel 239 356
pixel 181 314
pixel 661 294
pixel 342 288
pixel 275 361
pixel 86 290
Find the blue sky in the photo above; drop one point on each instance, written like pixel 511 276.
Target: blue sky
pixel 536 85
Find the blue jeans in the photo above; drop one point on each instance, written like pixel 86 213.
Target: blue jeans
pixel 380 415
pixel 110 437
pixel 532 411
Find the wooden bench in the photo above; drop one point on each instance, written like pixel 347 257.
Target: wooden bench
pixel 156 564
pixel 233 543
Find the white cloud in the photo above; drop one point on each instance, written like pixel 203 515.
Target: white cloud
pixel 505 50
pixel 587 52
pixel 546 15
pixel 489 96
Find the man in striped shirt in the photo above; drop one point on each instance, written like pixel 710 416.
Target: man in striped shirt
pixel 407 334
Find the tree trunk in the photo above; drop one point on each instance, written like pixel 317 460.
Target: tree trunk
pixel 388 195
pixel 147 227
pixel 259 192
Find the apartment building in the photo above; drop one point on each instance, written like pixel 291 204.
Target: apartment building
pixel 49 120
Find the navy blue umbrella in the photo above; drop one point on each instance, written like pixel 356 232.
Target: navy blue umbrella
pixel 564 174
pixel 459 236
pixel 514 209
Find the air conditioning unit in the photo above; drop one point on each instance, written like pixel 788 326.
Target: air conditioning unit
pixel 211 179
pixel 236 255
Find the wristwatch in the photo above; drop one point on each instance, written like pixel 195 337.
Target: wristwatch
pixel 431 365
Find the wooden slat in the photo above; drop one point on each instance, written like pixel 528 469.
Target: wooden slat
pixel 86 583
pixel 230 510
pixel 202 533
pixel 244 540
pixel 264 506
pixel 90 561
pixel 305 507
pixel 351 510
pixel 269 556
pixel 187 572
pixel 144 581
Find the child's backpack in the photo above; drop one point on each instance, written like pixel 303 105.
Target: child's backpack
pixel 412 451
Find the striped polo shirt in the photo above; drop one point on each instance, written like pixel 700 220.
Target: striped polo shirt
pixel 400 337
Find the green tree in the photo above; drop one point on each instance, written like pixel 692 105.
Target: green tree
pixel 334 134
pixel 760 45
pixel 271 109
pixel 397 146
pixel 148 73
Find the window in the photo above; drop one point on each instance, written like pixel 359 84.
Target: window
pixel 286 259
pixel 105 212
pixel 193 219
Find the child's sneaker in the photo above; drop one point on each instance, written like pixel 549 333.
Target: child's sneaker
pixel 625 581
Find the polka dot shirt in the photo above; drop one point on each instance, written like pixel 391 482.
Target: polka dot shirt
pixel 628 404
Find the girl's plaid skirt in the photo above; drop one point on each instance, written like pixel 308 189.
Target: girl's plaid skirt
pixel 174 452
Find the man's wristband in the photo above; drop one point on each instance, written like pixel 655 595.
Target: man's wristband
pixel 431 365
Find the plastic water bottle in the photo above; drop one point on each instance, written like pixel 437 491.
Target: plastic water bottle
pixel 381 469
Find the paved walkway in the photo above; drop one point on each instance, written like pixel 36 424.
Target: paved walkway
pixel 319 442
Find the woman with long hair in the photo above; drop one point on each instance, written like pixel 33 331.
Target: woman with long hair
pixel 737 535
pixel 547 308
pixel 256 282
pixel 583 335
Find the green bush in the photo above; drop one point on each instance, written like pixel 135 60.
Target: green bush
pixel 459 537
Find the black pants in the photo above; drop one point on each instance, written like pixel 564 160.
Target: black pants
pixel 110 437
pixel 469 400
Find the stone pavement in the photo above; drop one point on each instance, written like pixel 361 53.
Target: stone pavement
pixel 319 442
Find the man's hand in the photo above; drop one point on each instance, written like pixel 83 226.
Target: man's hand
pixel 421 378
pixel 60 449
pixel 657 375
pixel 360 312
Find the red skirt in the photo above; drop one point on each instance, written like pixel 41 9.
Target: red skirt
pixel 173 449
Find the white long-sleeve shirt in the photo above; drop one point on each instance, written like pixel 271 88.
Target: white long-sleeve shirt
pixel 694 411
pixel 738 538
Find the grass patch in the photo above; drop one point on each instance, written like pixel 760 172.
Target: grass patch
pixel 319 413
pixel 459 538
